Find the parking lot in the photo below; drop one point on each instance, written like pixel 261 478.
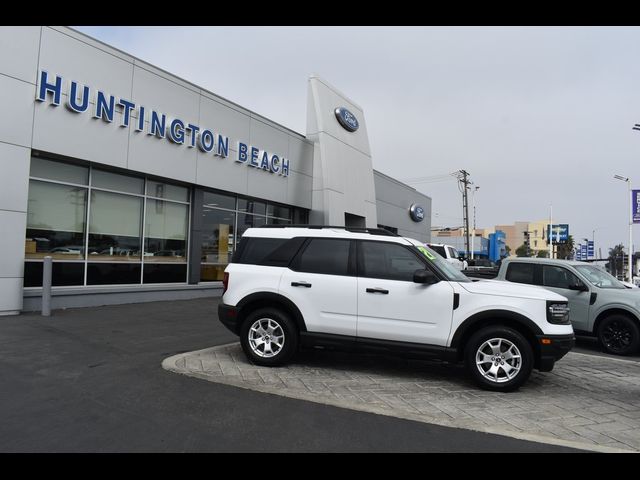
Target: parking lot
pixel 91 380
pixel 588 401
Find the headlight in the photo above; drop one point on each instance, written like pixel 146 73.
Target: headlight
pixel 558 312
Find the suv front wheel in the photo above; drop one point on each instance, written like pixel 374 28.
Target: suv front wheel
pixel 499 358
pixel 269 337
pixel 618 334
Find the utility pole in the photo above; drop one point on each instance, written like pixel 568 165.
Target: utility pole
pixel 463 178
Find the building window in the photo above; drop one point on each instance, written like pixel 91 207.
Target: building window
pixel 64 198
pixel 115 227
pixel 55 221
pixel 224 219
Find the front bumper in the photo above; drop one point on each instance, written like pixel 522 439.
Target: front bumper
pixel 552 348
pixel 228 315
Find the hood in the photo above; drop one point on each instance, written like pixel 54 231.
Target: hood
pixel 628 296
pixel 510 289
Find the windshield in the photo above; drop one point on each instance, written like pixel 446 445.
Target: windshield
pixel 450 272
pixel 598 277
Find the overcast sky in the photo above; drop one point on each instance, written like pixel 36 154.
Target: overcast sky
pixel 537 116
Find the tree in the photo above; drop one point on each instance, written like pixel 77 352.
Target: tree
pixel 522 251
pixel 565 250
pixel 542 254
pixel 616 251
pixel 616 263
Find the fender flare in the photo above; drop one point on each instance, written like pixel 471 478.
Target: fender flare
pixel 272 298
pixel 478 318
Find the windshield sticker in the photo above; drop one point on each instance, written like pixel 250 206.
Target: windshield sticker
pixel 426 253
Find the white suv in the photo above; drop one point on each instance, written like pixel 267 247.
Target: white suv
pixel 302 286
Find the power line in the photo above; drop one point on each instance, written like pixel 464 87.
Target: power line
pixel 431 178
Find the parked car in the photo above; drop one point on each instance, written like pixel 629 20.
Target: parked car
pixel 368 289
pixel 600 304
pixel 450 254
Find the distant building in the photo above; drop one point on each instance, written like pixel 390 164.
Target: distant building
pixel 514 234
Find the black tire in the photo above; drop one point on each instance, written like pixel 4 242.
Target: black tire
pixel 618 334
pixel 494 372
pixel 281 336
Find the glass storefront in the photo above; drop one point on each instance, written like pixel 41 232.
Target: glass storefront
pixel 107 228
pixel 104 228
pixel 224 219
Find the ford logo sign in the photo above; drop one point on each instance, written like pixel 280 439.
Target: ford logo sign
pixel 347 119
pixel 416 212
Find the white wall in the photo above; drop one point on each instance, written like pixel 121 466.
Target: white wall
pixel 343 171
pixel 18 69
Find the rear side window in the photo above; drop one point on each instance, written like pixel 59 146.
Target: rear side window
pixel 521 273
pixel 273 252
pixel 325 255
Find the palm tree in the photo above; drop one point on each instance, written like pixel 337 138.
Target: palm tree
pixel 565 250
pixel 616 251
pixel 616 257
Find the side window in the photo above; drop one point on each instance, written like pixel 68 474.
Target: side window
pixel 325 255
pixel 388 260
pixel 439 249
pixel 452 252
pixel 558 277
pixel 275 252
pixel 520 273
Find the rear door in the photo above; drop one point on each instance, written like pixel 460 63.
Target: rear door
pixel 321 282
pixel 391 306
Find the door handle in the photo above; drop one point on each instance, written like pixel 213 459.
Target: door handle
pixel 377 290
pixel 301 284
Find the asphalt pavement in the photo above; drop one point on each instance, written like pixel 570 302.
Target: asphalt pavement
pixel 90 380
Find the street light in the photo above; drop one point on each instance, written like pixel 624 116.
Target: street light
pixel 473 209
pixel 626 179
pixel 593 239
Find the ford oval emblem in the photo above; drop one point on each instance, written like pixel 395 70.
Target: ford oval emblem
pixel 347 119
pixel 416 212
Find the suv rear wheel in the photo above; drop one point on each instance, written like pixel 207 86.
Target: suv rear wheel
pixel 619 334
pixel 499 358
pixel 269 337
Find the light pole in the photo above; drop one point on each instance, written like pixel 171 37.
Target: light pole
pixel 473 209
pixel 630 253
pixel 593 239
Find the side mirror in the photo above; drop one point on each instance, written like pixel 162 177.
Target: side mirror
pixel 425 276
pixel 462 258
pixel 580 287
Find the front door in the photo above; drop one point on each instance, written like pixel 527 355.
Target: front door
pixel 391 306
pixel 558 280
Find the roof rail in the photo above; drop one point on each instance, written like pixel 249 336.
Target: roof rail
pixel 372 231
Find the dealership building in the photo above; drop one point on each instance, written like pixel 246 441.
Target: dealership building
pixel 140 184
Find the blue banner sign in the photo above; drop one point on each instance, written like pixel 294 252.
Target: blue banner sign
pixel 583 252
pixel 635 205
pixel 560 233
pixel 590 249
